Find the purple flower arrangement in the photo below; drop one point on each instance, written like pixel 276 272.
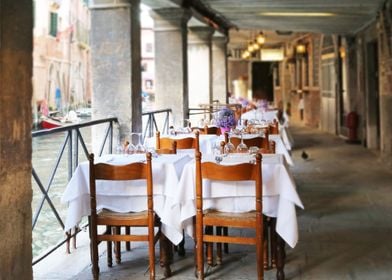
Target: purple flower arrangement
pixel 225 118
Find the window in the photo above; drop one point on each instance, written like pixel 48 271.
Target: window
pixel 53 24
pixel 149 47
pixel 144 67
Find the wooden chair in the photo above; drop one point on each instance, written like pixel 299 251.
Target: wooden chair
pixel 213 218
pixel 168 150
pixel 274 127
pixel 182 143
pixel 113 220
pixel 258 141
pixel 214 130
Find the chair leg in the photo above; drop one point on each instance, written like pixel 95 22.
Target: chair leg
pixel 200 258
pixel 225 245
pixel 94 258
pixel 260 254
pixel 209 230
pixel 151 253
pixel 93 249
pixel 118 245
pixel 109 247
pixel 128 243
pixel 219 247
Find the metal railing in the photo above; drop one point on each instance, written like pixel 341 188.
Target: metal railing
pixel 151 122
pixel 70 151
pixel 73 138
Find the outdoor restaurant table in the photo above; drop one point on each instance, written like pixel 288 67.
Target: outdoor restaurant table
pixel 279 194
pixel 127 196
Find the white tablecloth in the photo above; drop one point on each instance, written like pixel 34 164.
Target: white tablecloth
pixel 279 195
pixel 258 114
pixel 126 196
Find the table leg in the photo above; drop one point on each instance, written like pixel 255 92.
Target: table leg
pixel 280 257
pixel 166 254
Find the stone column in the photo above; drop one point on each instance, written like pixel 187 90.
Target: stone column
pixel 171 70
pixel 115 64
pixel 219 68
pixel 16 48
pixel 200 68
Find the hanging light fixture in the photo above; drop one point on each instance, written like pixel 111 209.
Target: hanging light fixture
pixel 245 54
pixel 260 38
pixel 250 47
pixel 300 48
pixel 256 46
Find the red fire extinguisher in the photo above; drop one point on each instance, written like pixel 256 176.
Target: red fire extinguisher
pixel 352 125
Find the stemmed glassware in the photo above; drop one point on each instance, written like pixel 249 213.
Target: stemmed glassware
pixel 242 148
pixel 229 147
pixel 139 146
pixel 131 148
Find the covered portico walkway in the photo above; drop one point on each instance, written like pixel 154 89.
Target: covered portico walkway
pixel 344 230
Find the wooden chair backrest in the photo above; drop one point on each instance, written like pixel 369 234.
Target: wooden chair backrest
pixel 255 141
pixel 274 127
pixel 171 150
pixel 220 172
pixel 214 130
pixel 183 143
pixel 132 171
pixel 270 150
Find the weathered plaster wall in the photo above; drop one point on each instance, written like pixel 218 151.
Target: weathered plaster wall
pixel 16 25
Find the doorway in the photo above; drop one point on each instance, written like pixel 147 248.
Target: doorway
pixel 372 97
pixel 262 81
pixel 328 94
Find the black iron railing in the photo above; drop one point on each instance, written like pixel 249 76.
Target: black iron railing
pixel 69 149
pixel 72 148
pixel 151 121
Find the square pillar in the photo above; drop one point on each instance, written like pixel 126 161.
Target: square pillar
pixel 16 67
pixel 219 68
pixel 200 67
pixel 171 62
pixel 115 63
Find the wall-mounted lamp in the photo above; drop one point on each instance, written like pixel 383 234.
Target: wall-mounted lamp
pixel 342 52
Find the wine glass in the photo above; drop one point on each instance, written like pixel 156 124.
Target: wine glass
pixel 139 146
pixel 131 148
pixel 229 147
pixel 120 148
pixel 187 126
pixel 242 148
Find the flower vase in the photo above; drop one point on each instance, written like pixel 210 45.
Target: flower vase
pixel 224 129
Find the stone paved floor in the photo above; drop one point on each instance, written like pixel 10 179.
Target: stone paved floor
pixel 345 230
